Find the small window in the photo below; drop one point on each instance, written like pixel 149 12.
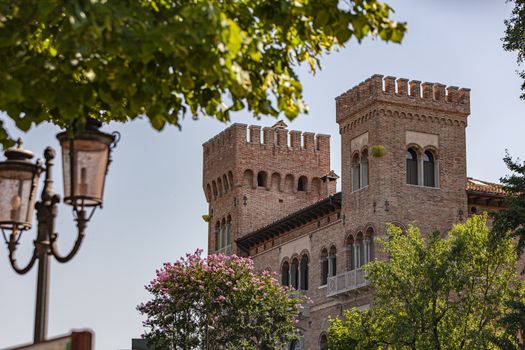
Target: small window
pixel 261 179
pixel 324 267
pixel 411 160
pixel 218 236
pixel 301 185
pixel 429 175
pixel 285 274
pixel 303 273
pixel 294 274
pixel 356 173
pixel 332 262
pixel 323 342
pixel 295 345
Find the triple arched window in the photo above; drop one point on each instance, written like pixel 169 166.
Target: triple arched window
pixel 328 264
pixel 296 274
pixel 223 236
pixel 360 249
pixel 421 170
pixel 360 170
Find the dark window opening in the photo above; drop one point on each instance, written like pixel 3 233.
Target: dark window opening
pixel 324 267
pixel 303 273
pixel 411 159
pixel 301 185
pixel 294 274
pixel 429 176
pixel 285 274
pixel 261 179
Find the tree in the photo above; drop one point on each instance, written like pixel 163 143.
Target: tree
pixel 511 220
pixel 514 39
pixel 435 293
pixel 220 301
pixel 64 60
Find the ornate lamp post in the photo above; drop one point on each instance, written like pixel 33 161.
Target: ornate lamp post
pixel 85 159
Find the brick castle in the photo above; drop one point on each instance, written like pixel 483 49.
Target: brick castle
pixel 273 197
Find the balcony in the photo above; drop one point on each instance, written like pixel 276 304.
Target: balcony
pixel 346 282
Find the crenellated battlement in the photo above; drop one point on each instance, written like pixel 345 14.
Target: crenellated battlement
pixel 401 91
pixel 276 136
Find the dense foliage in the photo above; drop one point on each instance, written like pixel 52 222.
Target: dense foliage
pixel 514 39
pixel 220 301
pixel 64 60
pixel 511 220
pixel 436 293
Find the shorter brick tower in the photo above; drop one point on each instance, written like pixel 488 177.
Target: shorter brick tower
pixel 251 181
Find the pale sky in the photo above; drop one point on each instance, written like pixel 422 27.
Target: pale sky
pixel 154 200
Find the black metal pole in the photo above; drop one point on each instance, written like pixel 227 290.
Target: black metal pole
pixel 42 294
pixel 46 213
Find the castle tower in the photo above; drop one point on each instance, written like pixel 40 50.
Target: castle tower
pixel 403 154
pixel 250 181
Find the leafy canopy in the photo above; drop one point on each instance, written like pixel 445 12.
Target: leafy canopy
pixel 64 60
pixel 514 39
pixel 435 293
pixel 219 300
pixel 511 220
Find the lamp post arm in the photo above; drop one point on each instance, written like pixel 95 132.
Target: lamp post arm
pixel 81 232
pixel 12 245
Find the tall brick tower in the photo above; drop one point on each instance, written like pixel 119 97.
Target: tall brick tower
pixel 403 154
pixel 251 181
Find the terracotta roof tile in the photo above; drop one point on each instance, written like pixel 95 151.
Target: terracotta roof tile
pixel 475 185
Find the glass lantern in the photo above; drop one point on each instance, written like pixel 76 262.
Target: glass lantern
pixel 18 183
pixel 85 160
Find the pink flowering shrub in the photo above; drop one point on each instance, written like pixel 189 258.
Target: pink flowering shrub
pixel 220 301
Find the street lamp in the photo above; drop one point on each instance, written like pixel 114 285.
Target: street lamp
pixel 85 158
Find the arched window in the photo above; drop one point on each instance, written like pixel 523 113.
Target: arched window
pixel 429 175
pixel 356 173
pixel 219 185
pixel 359 250
pixel 411 167
pixel 217 235
pixel 369 245
pixel 215 192
pixel 303 273
pixel 228 230
pixel 285 274
pixel 364 168
pixel 323 342
pixel 294 274
pixel 225 183
pixel 301 185
pixel 295 345
pixel 350 253
pixel 261 179
pixel 223 234
pixel 332 262
pixel 324 267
